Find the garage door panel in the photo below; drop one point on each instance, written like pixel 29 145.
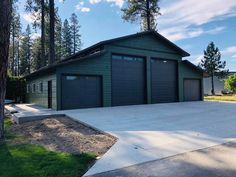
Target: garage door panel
pixel 81 92
pixel 128 79
pixel 164 81
pixel 192 90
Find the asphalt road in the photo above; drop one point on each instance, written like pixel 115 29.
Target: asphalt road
pixel 217 161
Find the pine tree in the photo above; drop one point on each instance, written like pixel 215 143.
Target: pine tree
pixel 75 33
pixel 36 54
pixel 5 14
pixel 144 11
pixel 15 32
pixel 212 63
pixel 25 52
pixel 58 38
pixel 66 39
pixel 38 9
pixel 51 32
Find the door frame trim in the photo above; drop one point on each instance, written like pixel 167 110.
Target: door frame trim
pixel 49 105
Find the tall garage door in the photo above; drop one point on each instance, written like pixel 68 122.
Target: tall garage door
pixel 81 91
pixel 128 80
pixel 192 90
pixel 164 81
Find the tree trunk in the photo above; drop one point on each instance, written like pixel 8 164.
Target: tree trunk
pixel 43 58
pixel 148 15
pixel 13 50
pixel 212 85
pixel 18 56
pixel 52 33
pixel 5 14
pixel 74 33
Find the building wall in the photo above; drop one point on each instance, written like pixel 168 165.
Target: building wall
pixel 148 55
pixel 145 46
pixel 41 98
pixel 99 65
pixel 186 72
pixel 218 85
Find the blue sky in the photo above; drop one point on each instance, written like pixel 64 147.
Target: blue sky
pixel 190 24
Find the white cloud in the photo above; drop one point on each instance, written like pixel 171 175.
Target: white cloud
pixel 94 1
pixel 118 3
pixel 80 7
pixel 184 32
pixel 230 51
pixel 196 59
pixel 29 17
pixel 35 35
pixel 186 17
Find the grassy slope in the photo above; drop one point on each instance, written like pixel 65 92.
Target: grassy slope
pixel 221 98
pixel 27 160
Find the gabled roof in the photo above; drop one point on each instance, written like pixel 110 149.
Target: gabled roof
pixel 86 53
pixel 193 66
pixel 159 36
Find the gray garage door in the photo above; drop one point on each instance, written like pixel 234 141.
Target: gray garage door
pixel 164 81
pixel 192 90
pixel 81 91
pixel 128 80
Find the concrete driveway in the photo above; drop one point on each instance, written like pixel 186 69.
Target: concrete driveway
pixel 216 161
pixel 152 132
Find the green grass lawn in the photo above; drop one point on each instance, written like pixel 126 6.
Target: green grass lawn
pixel 27 160
pixel 221 98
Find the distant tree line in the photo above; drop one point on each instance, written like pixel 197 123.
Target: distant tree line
pixel 28 53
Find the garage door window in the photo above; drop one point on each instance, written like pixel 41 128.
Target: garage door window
pixel 71 78
pixel 127 58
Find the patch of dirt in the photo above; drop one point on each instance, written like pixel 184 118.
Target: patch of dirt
pixel 65 135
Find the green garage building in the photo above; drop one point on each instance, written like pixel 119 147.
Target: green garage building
pixel 142 68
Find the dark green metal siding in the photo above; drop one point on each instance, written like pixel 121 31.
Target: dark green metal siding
pixel 148 54
pixel 146 46
pixel 186 72
pixel 41 98
pixel 92 66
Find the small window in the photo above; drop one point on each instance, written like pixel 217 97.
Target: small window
pixel 117 57
pixel 28 88
pixel 71 78
pixel 41 87
pixel 34 88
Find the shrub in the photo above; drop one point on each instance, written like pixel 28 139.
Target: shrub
pixel 230 83
pixel 15 90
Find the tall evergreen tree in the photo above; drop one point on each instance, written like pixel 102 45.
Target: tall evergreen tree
pixel 144 11
pixel 58 38
pixel 25 52
pixel 38 9
pixel 212 63
pixel 15 32
pixel 5 14
pixel 51 32
pixel 36 54
pixel 74 23
pixel 66 39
